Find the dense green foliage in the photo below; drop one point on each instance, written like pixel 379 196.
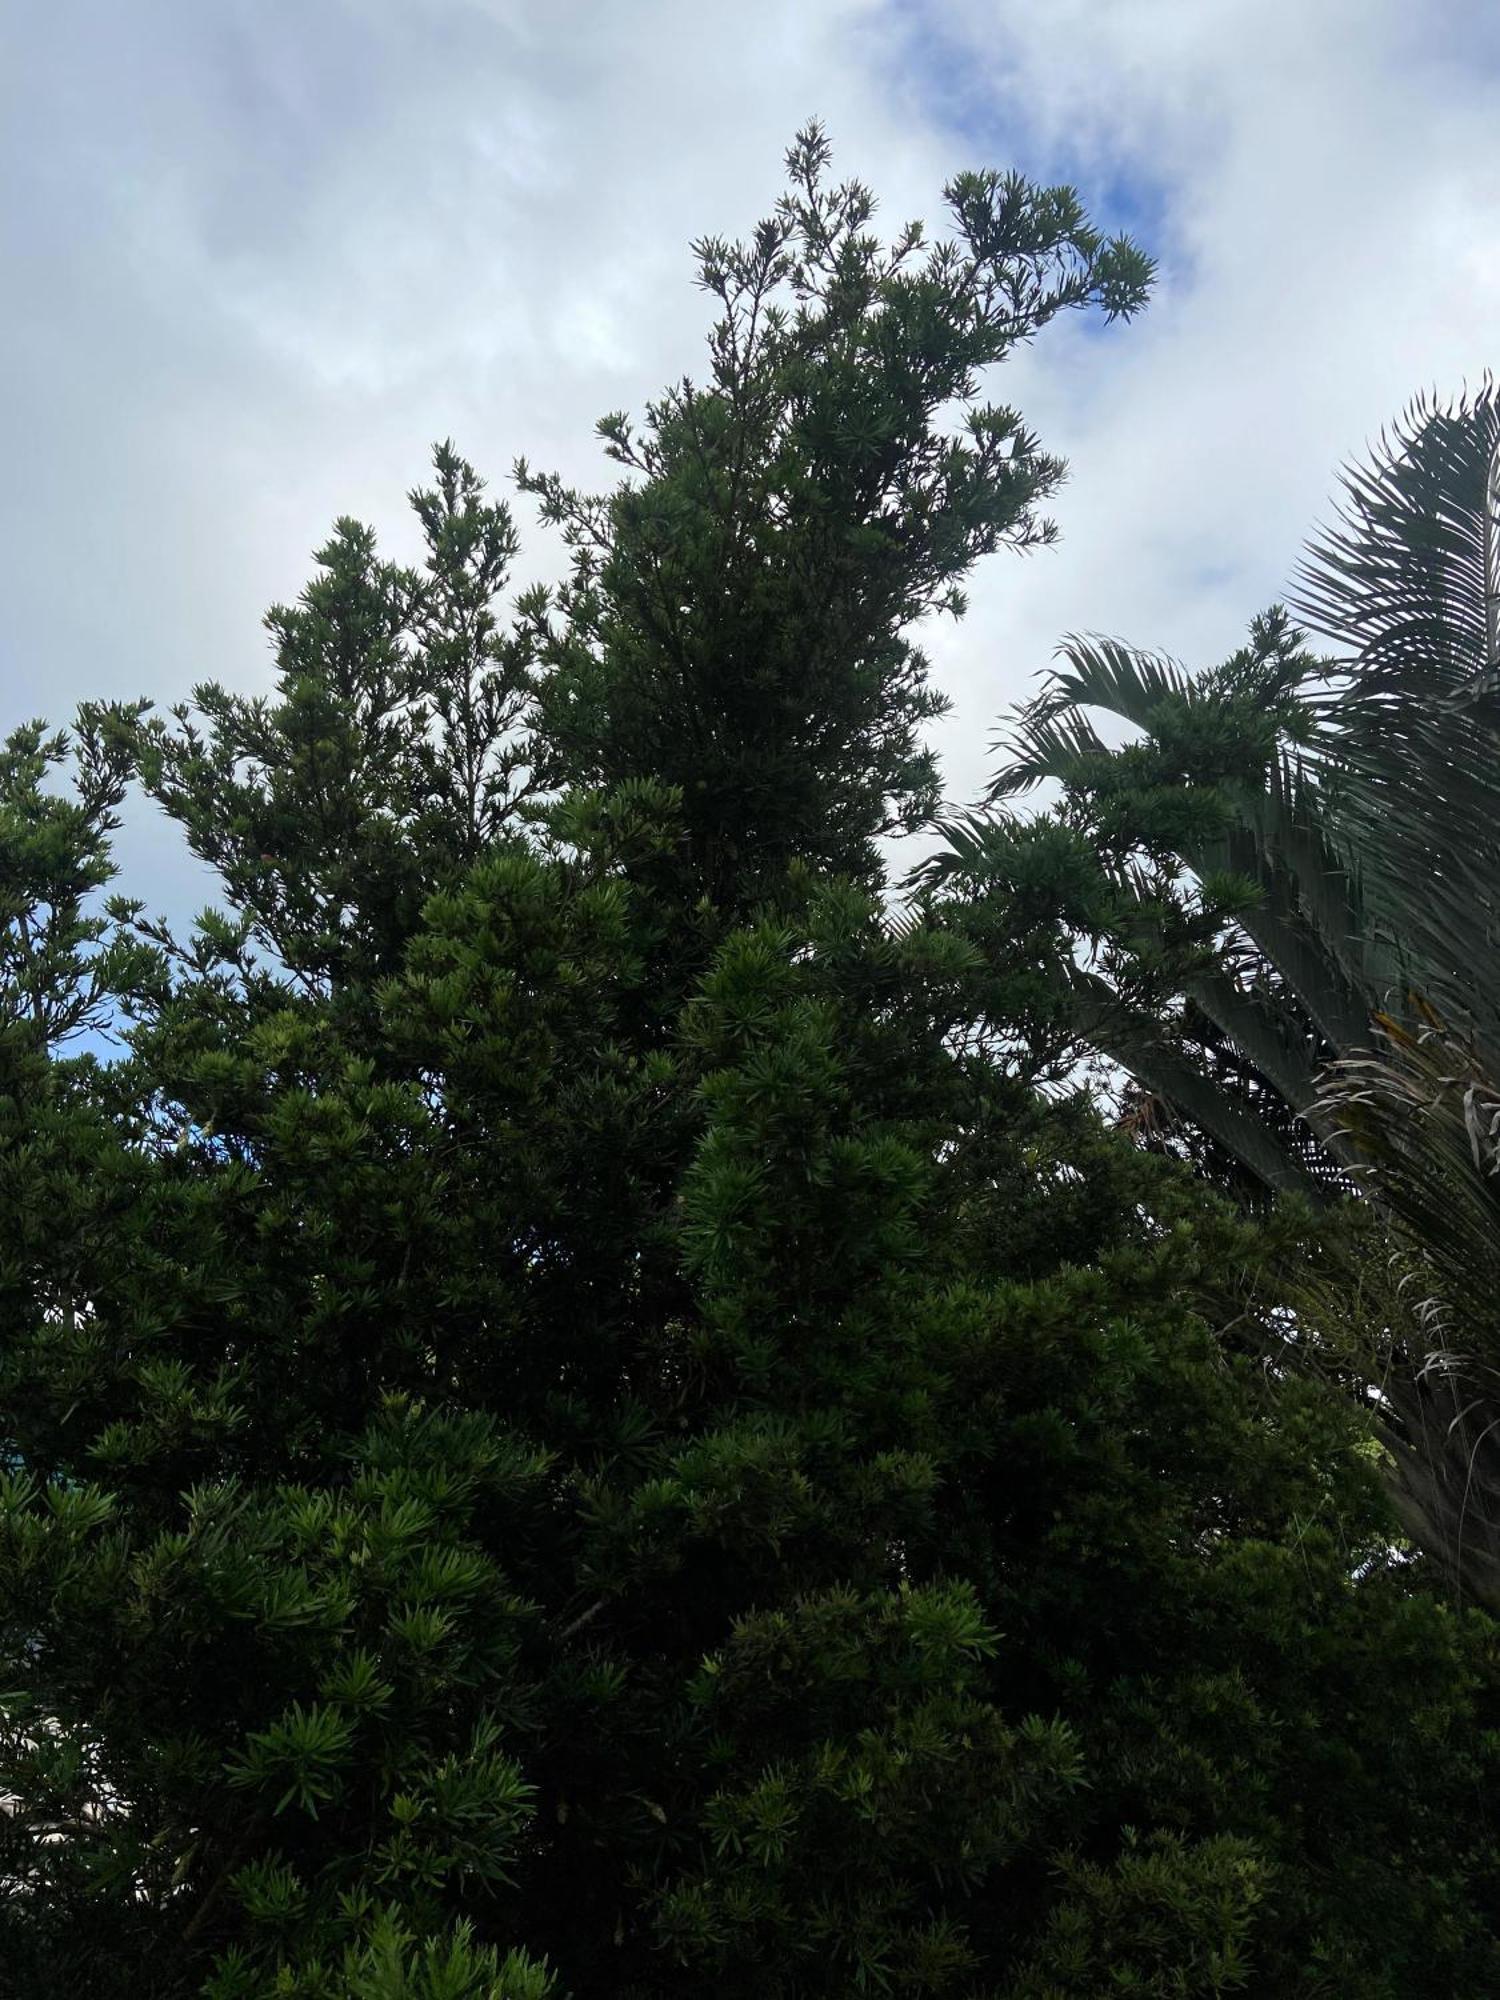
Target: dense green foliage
pixel 1272 904
pixel 574 1422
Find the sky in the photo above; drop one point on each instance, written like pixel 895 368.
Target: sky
pixel 257 255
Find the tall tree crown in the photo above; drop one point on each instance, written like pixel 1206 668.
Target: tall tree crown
pixel 738 619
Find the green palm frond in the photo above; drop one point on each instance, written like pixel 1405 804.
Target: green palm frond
pixel 1421 1113
pixel 1144 1048
pixel 1405 577
pixel 1103 673
pixel 969 839
pixel 1265 1033
pixel 1053 737
pixel 1407 583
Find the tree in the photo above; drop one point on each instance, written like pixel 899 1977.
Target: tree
pixel 1286 931
pixel 598 1435
pixel 738 618
pixel 400 748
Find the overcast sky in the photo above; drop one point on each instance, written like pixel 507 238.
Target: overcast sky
pixel 258 254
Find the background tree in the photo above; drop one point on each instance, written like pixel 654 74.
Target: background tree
pixel 1286 927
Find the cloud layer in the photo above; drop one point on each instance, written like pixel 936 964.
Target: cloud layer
pixel 260 254
pixel 1322 183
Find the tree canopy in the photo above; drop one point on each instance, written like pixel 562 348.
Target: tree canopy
pixel 584 1408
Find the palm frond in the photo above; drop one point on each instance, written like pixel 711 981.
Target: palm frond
pixel 1124 681
pixel 1405 576
pixel 1266 1034
pixel 1138 1043
pixel 1407 751
pixel 1053 737
pixel 970 838
pixel 1422 1114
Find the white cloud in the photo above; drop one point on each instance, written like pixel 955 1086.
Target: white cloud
pixel 259 255
pixel 1326 181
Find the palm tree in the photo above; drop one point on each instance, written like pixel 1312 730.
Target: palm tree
pixel 1298 961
